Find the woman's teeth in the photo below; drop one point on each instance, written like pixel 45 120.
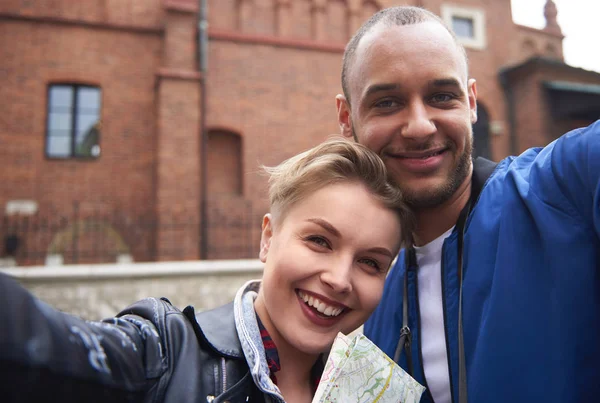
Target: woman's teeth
pixel 320 306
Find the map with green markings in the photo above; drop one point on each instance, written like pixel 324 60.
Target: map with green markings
pixel 358 371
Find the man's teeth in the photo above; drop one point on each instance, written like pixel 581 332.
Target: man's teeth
pixel 431 155
pixel 320 306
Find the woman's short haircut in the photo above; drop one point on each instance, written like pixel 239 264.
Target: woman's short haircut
pixel 335 161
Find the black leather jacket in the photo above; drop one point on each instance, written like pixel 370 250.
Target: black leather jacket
pixel 151 352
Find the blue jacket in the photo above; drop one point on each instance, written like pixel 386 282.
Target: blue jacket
pixel 531 290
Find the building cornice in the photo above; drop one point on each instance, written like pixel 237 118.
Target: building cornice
pixel 182 6
pixel 541 31
pixel 109 26
pixel 307 44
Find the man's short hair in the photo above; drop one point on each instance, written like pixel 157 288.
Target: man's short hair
pixel 335 161
pixel 393 16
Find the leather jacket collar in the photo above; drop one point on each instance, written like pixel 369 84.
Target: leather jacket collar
pixel 217 329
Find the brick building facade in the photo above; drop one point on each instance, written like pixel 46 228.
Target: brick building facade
pixel 132 182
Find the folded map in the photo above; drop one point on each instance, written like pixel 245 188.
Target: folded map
pixel 358 371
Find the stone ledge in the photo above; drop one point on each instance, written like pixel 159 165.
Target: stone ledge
pixel 179 74
pixel 136 270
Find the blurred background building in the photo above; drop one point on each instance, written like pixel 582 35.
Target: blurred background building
pixel 128 131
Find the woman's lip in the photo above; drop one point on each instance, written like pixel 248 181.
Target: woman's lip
pixel 319 320
pixel 322 299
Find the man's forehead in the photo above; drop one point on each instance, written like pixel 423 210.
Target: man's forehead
pixel 428 30
pixel 381 41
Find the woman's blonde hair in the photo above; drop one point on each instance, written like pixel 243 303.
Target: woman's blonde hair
pixel 334 161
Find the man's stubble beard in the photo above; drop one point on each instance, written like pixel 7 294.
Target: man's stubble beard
pixel 435 197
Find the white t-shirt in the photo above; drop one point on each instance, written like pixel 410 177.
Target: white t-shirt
pixel 433 335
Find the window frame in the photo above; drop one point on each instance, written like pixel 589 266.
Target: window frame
pixel 479 40
pixel 74 110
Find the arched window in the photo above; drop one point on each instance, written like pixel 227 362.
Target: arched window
pixel 256 16
pixel 301 18
pixel 529 48
pixel 223 13
pixel 224 163
pixel 552 51
pixel 368 9
pixel 337 21
pixel 481 133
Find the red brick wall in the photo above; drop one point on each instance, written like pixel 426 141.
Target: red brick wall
pixel 536 126
pixel 273 72
pixel 121 63
pixel 140 13
pixel 143 59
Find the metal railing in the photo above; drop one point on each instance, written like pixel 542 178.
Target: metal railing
pixel 74 237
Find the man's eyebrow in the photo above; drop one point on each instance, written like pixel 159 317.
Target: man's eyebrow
pixel 445 82
pixel 375 88
pixel 325 225
pixel 440 82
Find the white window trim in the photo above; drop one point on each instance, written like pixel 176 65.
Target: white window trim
pixel 477 15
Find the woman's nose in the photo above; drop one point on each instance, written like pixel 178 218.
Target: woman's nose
pixel 338 277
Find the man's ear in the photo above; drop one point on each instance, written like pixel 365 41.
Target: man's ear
pixel 265 237
pixel 344 118
pixel 472 94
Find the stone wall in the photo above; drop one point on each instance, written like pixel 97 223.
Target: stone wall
pixel 100 291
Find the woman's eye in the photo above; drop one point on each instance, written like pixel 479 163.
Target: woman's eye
pixel 318 240
pixel 371 263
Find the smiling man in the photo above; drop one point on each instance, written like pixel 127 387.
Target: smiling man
pixel 506 256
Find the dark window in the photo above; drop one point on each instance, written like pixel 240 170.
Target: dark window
pixel 463 27
pixel 481 133
pixel 73 128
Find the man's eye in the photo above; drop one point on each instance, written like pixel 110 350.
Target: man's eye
pixel 319 240
pixel 386 103
pixel 441 98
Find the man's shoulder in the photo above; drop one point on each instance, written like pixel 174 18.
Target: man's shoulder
pixel 552 181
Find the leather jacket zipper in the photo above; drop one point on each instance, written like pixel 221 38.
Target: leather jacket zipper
pixel 223 374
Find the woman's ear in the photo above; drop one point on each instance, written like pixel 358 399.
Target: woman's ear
pixel 265 237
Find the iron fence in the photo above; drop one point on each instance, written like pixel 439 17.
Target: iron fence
pixel 76 236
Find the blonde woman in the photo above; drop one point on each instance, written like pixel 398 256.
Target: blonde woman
pixel 335 225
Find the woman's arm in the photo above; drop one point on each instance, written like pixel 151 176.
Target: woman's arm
pixel 47 355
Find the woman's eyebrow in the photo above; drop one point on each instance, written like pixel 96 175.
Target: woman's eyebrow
pixel 325 225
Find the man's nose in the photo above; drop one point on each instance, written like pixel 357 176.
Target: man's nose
pixel 418 122
pixel 338 276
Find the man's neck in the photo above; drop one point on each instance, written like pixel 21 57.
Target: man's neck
pixel 433 222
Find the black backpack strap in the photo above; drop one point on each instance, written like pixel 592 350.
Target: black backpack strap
pixel 482 170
